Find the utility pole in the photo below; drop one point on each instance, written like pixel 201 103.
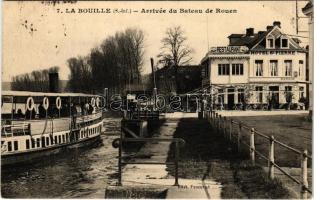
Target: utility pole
pixel 154 79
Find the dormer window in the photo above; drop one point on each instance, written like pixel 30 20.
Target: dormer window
pixel 284 43
pixel 270 43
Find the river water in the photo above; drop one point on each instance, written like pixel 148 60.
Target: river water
pixel 77 174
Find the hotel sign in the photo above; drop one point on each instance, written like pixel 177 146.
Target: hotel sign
pixel 229 50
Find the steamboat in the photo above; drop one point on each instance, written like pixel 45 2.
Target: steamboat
pixel 37 125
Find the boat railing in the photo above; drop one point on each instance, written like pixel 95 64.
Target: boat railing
pixel 18 127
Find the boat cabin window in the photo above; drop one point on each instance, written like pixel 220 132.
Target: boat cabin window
pixel 59 138
pixel 38 142
pixel 33 143
pixel 27 144
pixel 47 141
pixel 9 146
pixel 51 140
pixel 56 140
pixel 63 138
pixel 43 142
pixel 15 144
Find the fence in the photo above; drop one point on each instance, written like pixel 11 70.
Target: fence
pixel 228 127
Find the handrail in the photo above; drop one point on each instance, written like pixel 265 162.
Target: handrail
pixel 267 137
pixel 261 134
pixel 288 147
pixel 117 143
pixel 180 140
pixel 220 123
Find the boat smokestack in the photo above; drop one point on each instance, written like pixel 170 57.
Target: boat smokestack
pixel 53 82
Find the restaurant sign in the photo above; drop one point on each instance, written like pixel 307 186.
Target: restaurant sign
pixel 228 50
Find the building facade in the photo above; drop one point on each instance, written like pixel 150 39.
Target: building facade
pixel 260 69
pixel 308 11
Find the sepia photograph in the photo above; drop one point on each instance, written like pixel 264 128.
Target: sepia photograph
pixel 156 99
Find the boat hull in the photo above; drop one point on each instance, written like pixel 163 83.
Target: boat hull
pixel 32 156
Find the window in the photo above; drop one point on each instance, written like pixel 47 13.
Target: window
pixel 33 143
pixel 15 144
pixel 301 90
pixel 223 69
pixel 270 43
pixel 47 141
pixel 259 94
pixel 288 88
pixel 237 69
pixel 301 65
pixel 56 139
pixel 273 68
pixel 9 146
pixel 43 144
pixel 259 67
pixel 221 96
pixel 67 136
pixel 288 67
pixel 240 95
pixel 59 137
pixel 63 138
pixel 38 142
pixel 27 144
pixel 284 43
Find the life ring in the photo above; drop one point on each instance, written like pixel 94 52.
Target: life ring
pixel 58 102
pixel 97 102
pixel 46 103
pixel 93 102
pixel 30 103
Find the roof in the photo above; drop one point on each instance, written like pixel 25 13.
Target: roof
pixel 307 7
pixel 297 40
pixel 254 42
pixel 244 40
pixel 44 94
pixel 235 35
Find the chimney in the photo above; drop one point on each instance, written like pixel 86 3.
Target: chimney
pixel 269 28
pixel 53 82
pixel 277 23
pixel 250 32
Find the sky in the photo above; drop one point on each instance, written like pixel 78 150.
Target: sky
pixel 39 35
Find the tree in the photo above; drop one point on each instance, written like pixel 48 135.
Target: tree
pixel 174 50
pixel 114 64
pixel 80 78
pixel 36 81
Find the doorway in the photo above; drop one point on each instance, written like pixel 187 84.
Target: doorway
pixel 230 98
pixel 274 100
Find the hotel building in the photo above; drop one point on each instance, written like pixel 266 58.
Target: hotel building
pixel 267 67
pixel 308 11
